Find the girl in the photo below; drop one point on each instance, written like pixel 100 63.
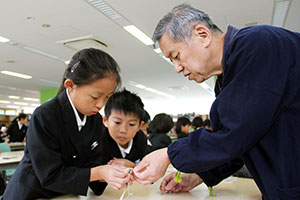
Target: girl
pixel 17 129
pixel 62 151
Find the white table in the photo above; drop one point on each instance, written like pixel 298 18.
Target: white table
pixel 232 188
pixel 10 160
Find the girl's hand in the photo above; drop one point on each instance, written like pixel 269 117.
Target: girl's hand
pixel 116 176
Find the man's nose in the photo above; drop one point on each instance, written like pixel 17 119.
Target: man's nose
pixel 178 67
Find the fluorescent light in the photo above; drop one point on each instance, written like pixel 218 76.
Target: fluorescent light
pixel 133 30
pixel 3 39
pixel 280 12
pixel 19 75
pixel 207 88
pixel 157 50
pixel 21 103
pixel 14 97
pixel 9 106
pixel 140 86
pixel 35 104
pixel 40 52
pixel 3 101
pixel 30 99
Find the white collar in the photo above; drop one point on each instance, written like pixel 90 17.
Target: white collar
pixel 80 123
pixel 19 124
pixel 127 150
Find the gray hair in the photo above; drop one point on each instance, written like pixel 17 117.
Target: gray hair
pixel 179 23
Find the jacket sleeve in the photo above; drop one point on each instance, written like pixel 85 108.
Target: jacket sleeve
pixel 243 112
pixel 217 174
pixel 47 160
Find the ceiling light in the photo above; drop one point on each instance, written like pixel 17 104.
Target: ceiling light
pixel 9 106
pixel 83 43
pixel 104 8
pixel 3 39
pixel 133 30
pixel 280 12
pixel 3 101
pixel 140 86
pixel 14 97
pixel 207 88
pixel 157 50
pixel 30 99
pixel 35 104
pixel 40 52
pixel 15 74
pixel 21 103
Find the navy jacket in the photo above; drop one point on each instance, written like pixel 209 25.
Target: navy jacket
pixel 110 148
pixel 57 157
pixel 159 140
pixel 256 116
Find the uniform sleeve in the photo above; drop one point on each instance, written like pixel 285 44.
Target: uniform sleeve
pixel 217 174
pixel 47 160
pixel 243 112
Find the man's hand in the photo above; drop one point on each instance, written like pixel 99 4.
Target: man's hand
pixel 152 167
pixel 188 182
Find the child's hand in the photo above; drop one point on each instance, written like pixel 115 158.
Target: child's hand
pixel 122 162
pixel 116 176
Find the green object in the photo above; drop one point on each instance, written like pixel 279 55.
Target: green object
pixel 47 94
pixel 177 177
pixel 211 194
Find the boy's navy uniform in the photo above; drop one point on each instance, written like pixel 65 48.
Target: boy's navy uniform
pixel 111 149
pixel 256 116
pixel 58 156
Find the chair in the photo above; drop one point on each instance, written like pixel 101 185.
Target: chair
pixel 4 147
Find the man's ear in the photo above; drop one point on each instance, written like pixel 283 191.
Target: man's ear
pixel 104 120
pixel 203 33
pixel 69 84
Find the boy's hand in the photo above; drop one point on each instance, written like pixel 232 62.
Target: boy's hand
pixel 116 176
pixel 122 162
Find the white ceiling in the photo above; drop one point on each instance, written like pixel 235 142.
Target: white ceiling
pixel 21 21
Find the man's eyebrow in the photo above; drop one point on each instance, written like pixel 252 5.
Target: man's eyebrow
pixel 170 54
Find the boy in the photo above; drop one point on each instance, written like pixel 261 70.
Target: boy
pixel 123 142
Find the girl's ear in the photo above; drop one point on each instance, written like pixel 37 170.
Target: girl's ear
pixel 104 120
pixel 69 84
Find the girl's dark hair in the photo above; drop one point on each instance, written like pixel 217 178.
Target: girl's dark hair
pixel 20 116
pixel 197 122
pixel 89 65
pixel 181 121
pixel 126 102
pixel 161 123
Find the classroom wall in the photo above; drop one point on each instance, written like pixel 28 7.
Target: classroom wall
pixel 47 94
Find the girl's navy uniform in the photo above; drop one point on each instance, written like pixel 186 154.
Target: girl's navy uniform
pixel 58 156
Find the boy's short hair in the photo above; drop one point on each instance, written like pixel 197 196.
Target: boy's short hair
pixel 126 102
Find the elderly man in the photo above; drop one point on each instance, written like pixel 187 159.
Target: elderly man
pixel 256 115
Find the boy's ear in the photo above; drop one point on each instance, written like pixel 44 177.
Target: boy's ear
pixel 141 124
pixel 104 120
